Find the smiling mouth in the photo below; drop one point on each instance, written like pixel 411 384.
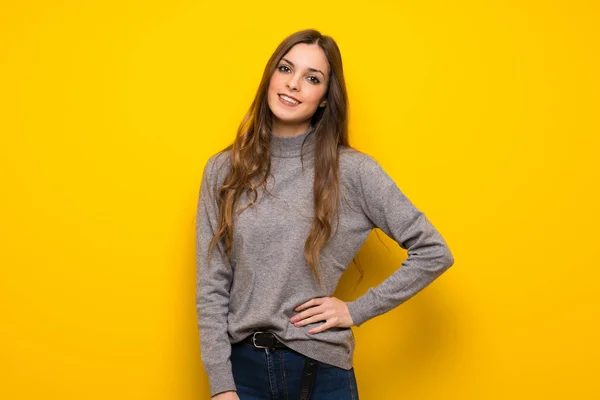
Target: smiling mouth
pixel 288 100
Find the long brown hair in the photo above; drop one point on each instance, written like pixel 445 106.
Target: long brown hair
pixel 251 158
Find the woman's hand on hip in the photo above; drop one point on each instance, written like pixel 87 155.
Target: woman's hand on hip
pixel 329 309
pixel 230 395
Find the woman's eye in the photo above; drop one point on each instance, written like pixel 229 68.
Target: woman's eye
pixel 313 79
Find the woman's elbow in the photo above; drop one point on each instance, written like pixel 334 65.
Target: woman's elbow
pixel 447 258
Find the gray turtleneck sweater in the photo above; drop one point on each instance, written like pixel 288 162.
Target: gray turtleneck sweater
pixel 267 276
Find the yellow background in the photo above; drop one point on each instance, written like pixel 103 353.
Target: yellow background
pixel 484 113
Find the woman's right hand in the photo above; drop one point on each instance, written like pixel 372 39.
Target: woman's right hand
pixel 230 395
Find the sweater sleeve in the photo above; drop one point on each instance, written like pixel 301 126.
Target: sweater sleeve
pixel 428 254
pixel 213 282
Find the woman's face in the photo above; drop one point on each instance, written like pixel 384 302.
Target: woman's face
pixel 297 87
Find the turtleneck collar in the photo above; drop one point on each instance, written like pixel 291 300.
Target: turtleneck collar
pixel 284 146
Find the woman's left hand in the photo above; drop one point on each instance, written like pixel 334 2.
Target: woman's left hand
pixel 329 309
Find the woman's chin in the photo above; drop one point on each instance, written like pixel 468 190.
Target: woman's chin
pixel 287 118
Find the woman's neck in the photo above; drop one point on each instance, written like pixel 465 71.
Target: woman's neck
pixel 293 146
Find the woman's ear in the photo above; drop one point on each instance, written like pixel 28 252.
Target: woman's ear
pixel 323 103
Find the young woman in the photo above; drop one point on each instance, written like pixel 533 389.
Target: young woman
pixel 281 214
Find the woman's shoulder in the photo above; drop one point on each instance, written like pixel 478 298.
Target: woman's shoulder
pixel 218 164
pixel 220 158
pixel 353 161
pixel 357 169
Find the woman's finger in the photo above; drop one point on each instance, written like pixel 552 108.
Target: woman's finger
pixel 307 313
pixel 314 318
pixel 312 302
pixel 323 327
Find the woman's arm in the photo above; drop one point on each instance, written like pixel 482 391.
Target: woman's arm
pixel 428 254
pixel 213 281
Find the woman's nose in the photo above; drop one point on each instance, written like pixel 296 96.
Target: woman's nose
pixel 293 83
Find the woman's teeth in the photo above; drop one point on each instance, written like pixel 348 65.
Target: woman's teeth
pixel 289 100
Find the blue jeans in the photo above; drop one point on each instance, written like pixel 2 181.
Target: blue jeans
pixel 263 374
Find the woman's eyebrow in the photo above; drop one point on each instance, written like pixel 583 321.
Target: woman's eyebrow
pixel 310 69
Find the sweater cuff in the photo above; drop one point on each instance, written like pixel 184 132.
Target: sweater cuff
pixel 358 312
pixel 220 378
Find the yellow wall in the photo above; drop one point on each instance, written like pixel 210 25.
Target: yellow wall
pixel 485 114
